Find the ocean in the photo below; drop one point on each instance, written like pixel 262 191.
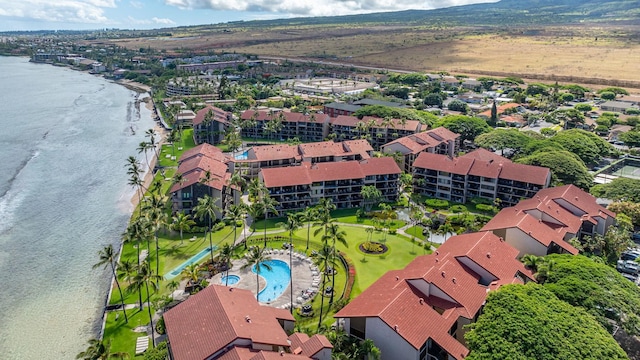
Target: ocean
pixel 64 140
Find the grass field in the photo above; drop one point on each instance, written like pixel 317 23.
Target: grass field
pixel 568 53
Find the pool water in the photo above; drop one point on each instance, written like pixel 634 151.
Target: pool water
pixel 242 156
pixel 277 280
pixel 194 259
pixel 230 280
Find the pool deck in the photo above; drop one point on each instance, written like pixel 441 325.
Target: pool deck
pixel 305 278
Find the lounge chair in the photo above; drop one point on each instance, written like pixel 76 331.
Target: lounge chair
pixel 142 344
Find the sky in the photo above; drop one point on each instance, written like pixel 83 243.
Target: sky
pixel 19 15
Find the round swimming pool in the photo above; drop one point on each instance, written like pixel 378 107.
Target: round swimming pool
pixel 277 279
pixel 230 280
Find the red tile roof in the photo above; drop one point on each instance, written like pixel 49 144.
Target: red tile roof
pixel 328 171
pixel 273 152
pixel 438 162
pixel 406 299
pixel 238 353
pixel 205 149
pixel 194 169
pixel 485 155
pixel 541 231
pixel 500 108
pixel 531 174
pixel 416 143
pixel 578 198
pixel 308 346
pixel 216 316
pixel 330 148
pixel 219 115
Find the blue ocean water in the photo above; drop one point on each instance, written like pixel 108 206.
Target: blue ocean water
pixel 64 139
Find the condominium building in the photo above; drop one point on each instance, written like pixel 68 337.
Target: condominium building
pixel 283 125
pixel 436 141
pixel 420 312
pixel 252 160
pixel 210 124
pixel 298 187
pixel 203 170
pixel 226 323
pixel 477 174
pixel 378 131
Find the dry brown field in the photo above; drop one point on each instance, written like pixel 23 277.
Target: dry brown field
pixel 581 54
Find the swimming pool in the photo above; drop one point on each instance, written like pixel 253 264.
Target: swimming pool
pixel 277 280
pixel 230 280
pixel 242 156
pixel 194 259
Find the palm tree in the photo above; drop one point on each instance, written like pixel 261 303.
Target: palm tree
pixel 100 350
pixel 157 216
pixel 135 172
pixel 335 234
pixel 191 273
pixel 173 285
pixel 370 195
pixel 147 277
pixel 226 253
pixel 255 211
pixel 233 214
pixel 268 206
pixel 531 262
pixel 108 257
pixel 126 270
pixel 143 147
pixel 182 222
pixel 445 229
pixel 292 224
pixel 323 259
pixel 207 208
pixel 308 215
pixel 256 258
pixel 150 133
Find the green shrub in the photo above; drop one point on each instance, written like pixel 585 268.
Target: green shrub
pixel 373 247
pixel 160 328
pixel 479 200
pixel 484 207
pixel 393 231
pixel 458 208
pixel 437 203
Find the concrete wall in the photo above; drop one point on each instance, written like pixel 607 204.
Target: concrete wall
pixel 524 243
pixel 392 346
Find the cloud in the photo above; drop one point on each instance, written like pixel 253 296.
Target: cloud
pixel 76 11
pixel 136 4
pixel 153 20
pixel 318 8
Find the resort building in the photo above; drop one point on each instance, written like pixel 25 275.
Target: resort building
pixel 436 141
pixel 298 187
pixel 336 109
pixel 545 224
pixel 210 125
pixel 283 125
pixel 204 170
pixel 227 323
pixel 479 173
pixel 378 131
pixel 184 118
pixel 420 312
pixel 251 161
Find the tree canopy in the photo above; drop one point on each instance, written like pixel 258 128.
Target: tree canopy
pixel 588 146
pixel 382 111
pixel 530 322
pixel 620 189
pixel 500 139
pixel 566 167
pixel 597 288
pixel 468 127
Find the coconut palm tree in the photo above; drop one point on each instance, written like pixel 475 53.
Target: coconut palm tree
pixel 207 208
pixel 151 134
pixel 107 257
pixel 182 222
pixel 100 350
pixel 147 278
pixel 135 177
pixel 157 216
pixel 292 224
pixel 268 207
pixel 226 253
pixel 191 273
pixel 233 214
pixel 256 258
pixel 143 147
pixel 335 234
pixel 126 270
pixel 323 259
pixel 445 228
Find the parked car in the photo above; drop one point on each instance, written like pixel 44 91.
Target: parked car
pixel 628 266
pixel 630 277
pixel 630 255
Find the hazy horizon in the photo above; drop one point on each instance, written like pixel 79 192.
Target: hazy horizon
pixel 43 15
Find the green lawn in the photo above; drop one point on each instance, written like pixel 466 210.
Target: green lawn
pixel 347 216
pixel 185 142
pixel 121 334
pixel 416 231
